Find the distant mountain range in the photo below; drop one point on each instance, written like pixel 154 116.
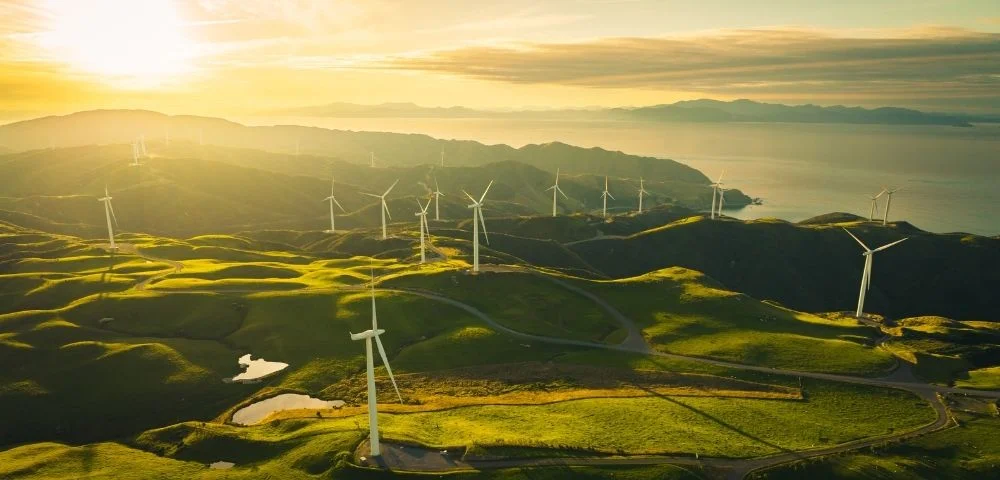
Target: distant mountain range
pixel 703 110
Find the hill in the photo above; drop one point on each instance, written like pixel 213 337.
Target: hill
pixel 817 267
pixel 223 190
pixel 393 149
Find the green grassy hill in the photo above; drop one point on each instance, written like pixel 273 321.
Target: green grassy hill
pixel 817 267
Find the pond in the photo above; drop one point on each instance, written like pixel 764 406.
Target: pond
pixel 257 369
pixel 256 412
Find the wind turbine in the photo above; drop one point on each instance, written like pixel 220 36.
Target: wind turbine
pixel 109 213
pixel 605 196
pixel 866 275
pixel 642 191
pixel 888 201
pixel 424 228
pixel 555 189
pixel 477 214
pixel 437 196
pixel 442 157
pixel 715 192
pixel 135 155
pixel 385 208
pixel 874 210
pixel 332 200
pixel 370 361
pixel 142 145
pixel 371 160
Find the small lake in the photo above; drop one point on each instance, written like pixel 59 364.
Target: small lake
pixel 257 369
pixel 256 412
pixel 221 465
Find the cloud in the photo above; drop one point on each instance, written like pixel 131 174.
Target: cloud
pixel 924 62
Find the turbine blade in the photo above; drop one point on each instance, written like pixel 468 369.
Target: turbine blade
pixel 113 217
pixel 483 223
pixel 470 196
pixel 610 195
pixel 857 240
pixel 386 207
pixel 370 194
pixel 385 361
pixel 436 187
pixel 391 187
pixel 338 204
pixel 484 195
pixel 883 247
pixel 562 192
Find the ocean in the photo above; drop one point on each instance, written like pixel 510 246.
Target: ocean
pixel 950 176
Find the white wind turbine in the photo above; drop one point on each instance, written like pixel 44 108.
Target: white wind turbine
pixel 556 190
pixel 371 159
pixel 874 209
pixel 385 208
pixel 135 155
pixel 866 275
pixel 477 214
pixel 109 213
pixel 642 191
pixel 142 146
pixel 370 361
pixel 715 192
pixel 437 196
pixel 442 157
pixel 888 201
pixel 333 200
pixel 424 228
pixel 604 196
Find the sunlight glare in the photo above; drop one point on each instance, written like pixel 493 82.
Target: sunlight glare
pixel 141 43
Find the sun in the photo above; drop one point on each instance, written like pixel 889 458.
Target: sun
pixel 139 42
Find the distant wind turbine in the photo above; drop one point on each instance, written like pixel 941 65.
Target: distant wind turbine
pixel 332 200
pixel 142 146
pixel 442 157
pixel 874 209
pixel 866 275
pixel 642 191
pixel 477 214
pixel 604 196
pixel 715 192
pixel 109 213
pixel 437 196
pixel 385 207
pixel 370 364
pixel 556 190
pixel 722 201
pixel 424 228
pixel 888 202
pixel 135 155
pixel 371 159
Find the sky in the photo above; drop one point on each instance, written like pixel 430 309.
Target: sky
pixel 240 57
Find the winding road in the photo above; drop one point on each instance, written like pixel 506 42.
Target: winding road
pixel 407 458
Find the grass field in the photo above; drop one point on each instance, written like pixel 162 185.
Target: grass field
pixel 971 450
pixel 683 311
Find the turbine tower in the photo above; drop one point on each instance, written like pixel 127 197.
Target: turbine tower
pixel 385 208
pixel 715 192
pixel 874 209
pixel 437 196
pixel 135 155
pixel 477 218
pixel 424 228
pixel 604 196
pixel 442 157
pixel 370 361
pixel 109 213
pixel 555 189
pixel 888 201
pixel 142 145
pixel 722 201
pixel 371 159
pixel 866 275
pixel 642 191
pixel 333 200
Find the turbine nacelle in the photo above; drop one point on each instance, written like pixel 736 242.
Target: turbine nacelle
pixel 367 334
